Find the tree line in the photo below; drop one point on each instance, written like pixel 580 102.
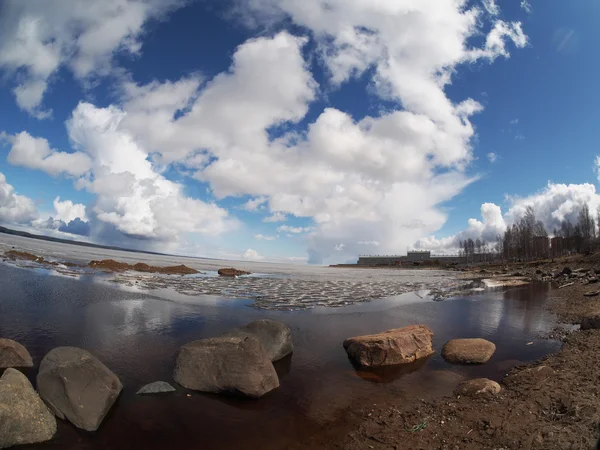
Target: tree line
pixel 528 239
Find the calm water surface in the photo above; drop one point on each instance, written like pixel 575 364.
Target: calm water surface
pixel 137 335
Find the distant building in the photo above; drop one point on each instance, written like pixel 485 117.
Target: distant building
pixel 410 258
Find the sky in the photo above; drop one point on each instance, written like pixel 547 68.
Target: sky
pixel 303 131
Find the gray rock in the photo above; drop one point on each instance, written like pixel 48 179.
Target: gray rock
pixel 24 419
pixel 591 322
pixel 227 364
pixel 77 386
pixel 468 351
pixel 13 354
pixel 275 337
pixel 158 387
pixel 567 270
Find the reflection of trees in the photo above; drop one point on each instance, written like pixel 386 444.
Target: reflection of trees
pixel 525 308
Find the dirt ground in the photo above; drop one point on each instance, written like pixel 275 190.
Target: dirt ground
pixel 551 404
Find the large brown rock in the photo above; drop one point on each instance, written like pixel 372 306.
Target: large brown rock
pixel 275 337
pixel 13 354
pixel 468 351
pixel 226 364
pixel 397 346
pixel 478 387
pixel 24 419
pixel 77 386
pixel 231 272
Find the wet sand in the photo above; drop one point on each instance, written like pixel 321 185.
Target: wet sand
pixel 137 334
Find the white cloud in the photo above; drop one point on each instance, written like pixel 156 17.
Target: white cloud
pixel 492 157
pixel 294 230
pixel 252 255
pixel 68 211
pixel 255 204
pixel 35 153
pixel 276 217
pixel 371 243
pixel 491 7
pixel 514 121
pixel 14 208
pixel 263 237
pixel 37 38
pixel 526 6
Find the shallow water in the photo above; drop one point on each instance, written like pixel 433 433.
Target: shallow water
pixel 137 335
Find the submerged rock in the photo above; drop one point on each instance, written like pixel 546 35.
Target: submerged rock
pixel 275 337
pixel 24 419
pixel 13 354
pixel 158 387
pixel 478 387
pixel 397 346
pixel 468 351
pixel 77 386
pixel 227 364
pixel 231 272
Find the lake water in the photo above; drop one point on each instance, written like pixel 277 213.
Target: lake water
pixel 137 333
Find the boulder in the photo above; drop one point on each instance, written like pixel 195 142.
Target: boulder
pixel 567 271
pixel 24 419
pixel 13 354
pixel 77 386
pixel 478 387
pixel 226 364
pixel 275 337
pixel 231 272
pixel 158 387
pixel 397 346
pixel 468 351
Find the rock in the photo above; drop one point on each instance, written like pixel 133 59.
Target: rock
pixel 158 387
pixel 77 386
pixel 477 387
pixel 227 364
pixel 468 351
pixel 231 272
pixel 275 337
pixel 590 322
pixel 24 419
pixel 397 346
pixel 539 271
pixel 591 294
pixel 592 280
pixel 13 354
pixel 566 271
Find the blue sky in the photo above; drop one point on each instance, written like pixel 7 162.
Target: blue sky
pixel 292 130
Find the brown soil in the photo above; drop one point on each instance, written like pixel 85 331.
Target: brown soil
pixel 551 404
pixel 231 272
pixel 116 266
pixel 14 254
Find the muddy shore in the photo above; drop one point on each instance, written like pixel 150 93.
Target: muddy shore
pixel 551 404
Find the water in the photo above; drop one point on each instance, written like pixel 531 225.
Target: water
pixel 137 333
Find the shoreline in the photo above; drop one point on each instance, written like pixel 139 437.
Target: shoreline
pixel 553 403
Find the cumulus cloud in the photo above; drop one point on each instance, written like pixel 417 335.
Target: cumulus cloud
pixel 359 179
pixel 38 38
pixel 491 7
pixel 14 208
pixel 68 211
pixel 293 230
pixel 35 153
pixel 276 217
pixel 492 157
pixel 263 237
pixel 526 6
pixel 76 226
pixel 252 255
pixel 255 204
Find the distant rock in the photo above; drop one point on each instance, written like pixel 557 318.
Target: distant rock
pixel 591 322
pixel 468 351
pixel 115 266
pixel 592 294
pixel 231 272
pixel 478 387
pixel 158 387
pixel 397 346
pixel 567 271
pixel 24 419
pixel 275 337
pixel 13 354
pixel 227 364
pixel 77 386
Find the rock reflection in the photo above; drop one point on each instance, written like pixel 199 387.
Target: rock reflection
pixel 389 374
